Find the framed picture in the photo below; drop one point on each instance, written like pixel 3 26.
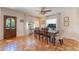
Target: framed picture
pixel 21 20
pixel 66 21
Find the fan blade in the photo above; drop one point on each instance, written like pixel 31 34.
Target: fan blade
pixel 47 10
pixel 43 10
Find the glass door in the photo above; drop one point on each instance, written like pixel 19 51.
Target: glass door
pixel 9 26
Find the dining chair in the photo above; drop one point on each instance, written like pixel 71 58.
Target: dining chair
pixel 59 37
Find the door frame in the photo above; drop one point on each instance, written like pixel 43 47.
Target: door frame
pixel 4 24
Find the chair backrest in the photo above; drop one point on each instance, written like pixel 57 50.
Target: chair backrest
pixel 61 33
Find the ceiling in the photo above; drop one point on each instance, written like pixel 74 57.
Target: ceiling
pixel 35 11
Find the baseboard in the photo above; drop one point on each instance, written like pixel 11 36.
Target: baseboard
pixel 21 36
pixel 70 39
pixel 72 35
pixel 15 37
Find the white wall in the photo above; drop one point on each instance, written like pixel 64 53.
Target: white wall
pixel 9 12
pixel 1 28
pixel 29 19
pixel 71 31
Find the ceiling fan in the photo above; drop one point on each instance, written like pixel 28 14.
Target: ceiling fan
pixel 44 10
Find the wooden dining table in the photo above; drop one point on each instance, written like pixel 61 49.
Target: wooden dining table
pixel 48 34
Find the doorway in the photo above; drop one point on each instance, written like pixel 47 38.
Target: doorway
pixel 31 27
pixel 9 27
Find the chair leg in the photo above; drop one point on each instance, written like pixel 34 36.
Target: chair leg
pixel 42 37
pixel 61 41
pixel 50 40
pixel 39 36
pixel 35 35
pixel 47 40
pixel 53 41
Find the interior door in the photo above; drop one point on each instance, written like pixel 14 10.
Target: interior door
pixel 9 27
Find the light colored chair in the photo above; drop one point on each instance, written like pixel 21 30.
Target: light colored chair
pixel 59 37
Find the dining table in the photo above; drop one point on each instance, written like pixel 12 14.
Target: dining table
pixel 48 33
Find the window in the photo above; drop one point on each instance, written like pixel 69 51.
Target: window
pixel 51 23
pixel 12 23
pixel 8 23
